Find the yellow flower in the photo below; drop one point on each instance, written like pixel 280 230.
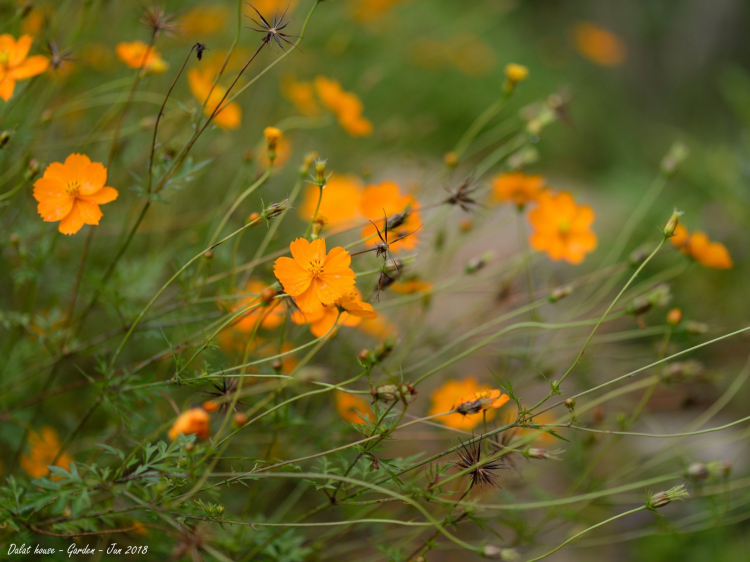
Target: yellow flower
pixel 598 45
pixel 516 73
pixel 352 408
pixel 136 54
pixel 42 450
pixel 16 65
pixel 230 115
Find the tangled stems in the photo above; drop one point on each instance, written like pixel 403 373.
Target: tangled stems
pixel 479 123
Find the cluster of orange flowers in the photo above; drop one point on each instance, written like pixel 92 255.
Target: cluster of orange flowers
pixel 16 64
pixel 345 203
pixel 562 228
pixel 346 106
pixel 698 246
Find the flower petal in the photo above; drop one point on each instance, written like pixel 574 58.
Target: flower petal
pixel 7 85
pixel 90 212
pixel 95 178
pixel 292 276
pixel 30 67
pixel 104 195
pixel 73 222
pixel 76 166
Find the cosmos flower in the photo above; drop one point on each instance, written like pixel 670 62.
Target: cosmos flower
pixel 386 197
pixel 599 45
pixel 340 203
pixel 698 246
pixel 230 115
pixel 352 313
pixel 345 105
pixel 517 188
pixel 454 393
pixel 562 228
pixel 43 447
pixel 72 192
pixel 137 54
pixel 16 65
pixel 352 408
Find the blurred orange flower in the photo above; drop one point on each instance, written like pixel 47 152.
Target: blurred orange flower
pixel 370 10
pixel 136 54
pixel 453 394
pixel 272 315
pixel 301 94
pixel 345 105
pixel 598 45
pixel 230 115
pixel 270 8
pixel 412 285
pixel 386 196
pixel 340 203
pixel 322 320
pixel 16 65
pixel 43 447
pixel 72 192
pixel 562 228
pixel 192 421
pixel 698 246
pixel 352 408
pixel 203 20
pixel 517 188
pixel 313 277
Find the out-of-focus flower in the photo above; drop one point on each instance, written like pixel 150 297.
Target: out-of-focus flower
pixel 16 65
pixel 195 420
pixel 33 23
pixel 345 105
pixel 313 277
pixel 371 10
pixel 283 152
pixel 386 197
pixel 272 315
pixel 301 94
pixel 517 188
pixel 453 394
pixel 97 55
pixel 480 401
pixel 230 115
pixel 540 436
pixel 410 286
pixel 562 228
pixel 203 20
pixel 599 45
pixel 469 54
pixel 515 73
pixel 340 203
pixel 72 192
pixel 352 313
pixel 698 246
pixel 43 447
pixel 352 408
pixel 137 54
pixel 379 328
pixel 270 8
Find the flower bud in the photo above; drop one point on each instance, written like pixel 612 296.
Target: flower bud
pixel 475 264
pixel 275 209
pixel 277 366
pixel 560 293
pixel 680 371
pixel 542 454
pixel 273 136
pixel 253 217
pixel 267 295
pixel 384 349
pixel 307 163
pixel 32 170
pixel 697 471
pixel 719 469
pixel 239 419
pixel 247 156
pixel 210 406
pixel 4 138
pixel 450 159
pixel 466 225
pixel 385 393
pixel 676 156
pixel 492 552
pixel 317 226
pixel 208 255
pixel 661 499
pixel 672 223
pixel 570 403
pixel 320 173
pixel 674 316
pixel 514 73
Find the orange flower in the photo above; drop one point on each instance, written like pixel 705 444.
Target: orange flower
pixel 387 197
pixel 345 105
pixel 701 249
pixel 230 115
pixel 340 201
pixel 313 278
pixel 16 65
pixel 598 45
pixel 272 315
pixel 517 188
pixel 410 286
pixel 43 447
pixel 137 54
pixel 301 94
pixel 562 228
pixel 268 7
pixel 322 320
pixel 203 20
pixel 538 435
pixel 370 10
pixel 195 421
pixel 454 394
pixel 379 328
pixel 72 192
pixel 352 408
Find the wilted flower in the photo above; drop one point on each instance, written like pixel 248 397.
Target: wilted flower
pixel 482 473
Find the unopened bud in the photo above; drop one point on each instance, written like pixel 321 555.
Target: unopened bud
pixel 317 226
pixel 208 255
pixel 320 173
pixel 560 293
pixel 189 447
pixel 466 225
pixel 697 471
pixel 267 295
pixel 492 552
pixel 719 469
pixel 475 264
pixel 277 366
pixel 307 163
pixel 676 156
pixel 239 419
pixel 637 256
pixel 384 349
pixel 672 223
pixel 32 170
pixel 210 406
pixel 514 73
pixel 661 499
pixel 275 209
pixel 683 370
pixel 254 217
pixel 570 403
pixel 542 454
pixel 273 136
pixel 450 159
pixel 674 316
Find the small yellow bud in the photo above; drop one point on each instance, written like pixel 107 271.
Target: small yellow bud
pixel 450 159
pixel 516 72
pixel 672 223
pixel 273 136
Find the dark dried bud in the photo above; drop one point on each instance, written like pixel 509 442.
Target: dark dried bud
pixel 4 138
pixel 199 48
pixel 275 209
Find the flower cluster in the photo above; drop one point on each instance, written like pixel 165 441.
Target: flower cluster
pixel 698 246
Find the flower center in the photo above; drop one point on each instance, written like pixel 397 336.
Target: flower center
pixel 564 227
pixel 4 57
pixel 316 268
pixel 73 188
